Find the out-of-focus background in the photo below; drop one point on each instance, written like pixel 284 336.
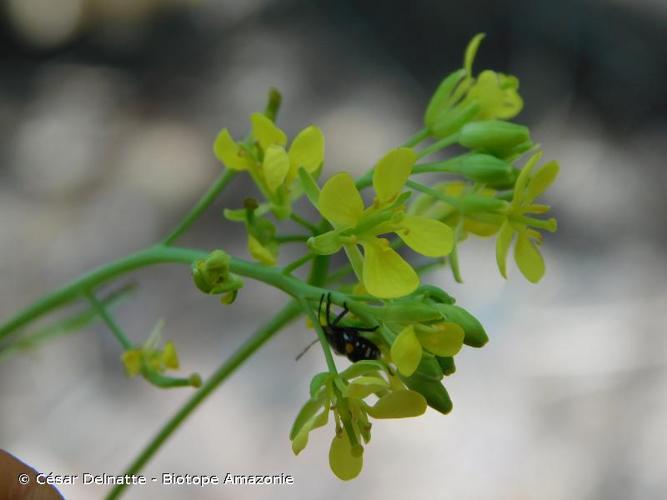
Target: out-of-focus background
pixel 108 109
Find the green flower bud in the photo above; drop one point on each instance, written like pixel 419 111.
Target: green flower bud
pixel 439 102
pixel 326 243
pixel 212 276
pixel 447 365
pixel 496 137
pixel 434 392
pixel 475 336
pixel 477 203
pixel 429 369
pixel 485 168
pixel 455 118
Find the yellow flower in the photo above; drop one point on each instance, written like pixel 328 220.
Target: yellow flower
pixel 272 167
pixel 344 396
pixel 526 252
pixel 385 273
pixel 442 339
pixel 461 97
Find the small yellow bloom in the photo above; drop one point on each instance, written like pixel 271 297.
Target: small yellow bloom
pixel 526 253
pixel 385 273
pixel 271 166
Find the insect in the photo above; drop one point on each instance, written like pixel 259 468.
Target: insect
pixel 345 340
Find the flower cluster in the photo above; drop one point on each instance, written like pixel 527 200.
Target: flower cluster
pixel 345 396
pixel 411 331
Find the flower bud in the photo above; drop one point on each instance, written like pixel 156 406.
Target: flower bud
pixel 453 119
pixel 212 276
pixel 477 203
pixel 447 365
pixel 326 243
pixel 485 168
pixel 434 392
pixel 475 336
pixel 496 137
pixel 439 101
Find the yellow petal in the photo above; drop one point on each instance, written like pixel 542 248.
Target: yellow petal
pixel 503 242
pixel 132 361
pixel 428 237
pixel 442 339
pixel 266 132
pixel 386 274
pixel 343 463
pixel 399 404
pixel 169 356
pixel 307 149
pixel 260 252
pixel 523 179
pixel 541 181
pixel 362 387
pixel 406 351
pixel 228 152
pixel 275 166
pixel 391 172
pixel 340 201
pixel 528 259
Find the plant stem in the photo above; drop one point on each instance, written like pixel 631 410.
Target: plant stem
pixel 416 139
pixel 291 238
pixel 204 202
pixel 297 263
pixel 438 145
pixel 287 314
pixel 331 365
pixel 106 317
pixel 303 222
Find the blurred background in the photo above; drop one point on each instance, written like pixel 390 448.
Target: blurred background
pixel 108 109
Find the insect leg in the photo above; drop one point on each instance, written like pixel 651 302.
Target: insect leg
pixel 341 315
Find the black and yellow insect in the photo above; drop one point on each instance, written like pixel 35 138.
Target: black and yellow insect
pixel 345 340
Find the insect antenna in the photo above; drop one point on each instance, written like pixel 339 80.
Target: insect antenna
pixel 306 349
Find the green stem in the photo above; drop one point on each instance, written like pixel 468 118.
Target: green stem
pixel 303 222
pixel 287 314
pixel 204 202
pixel 434 193
pixel 111 323
pixel 438 145
pixel 297 263
pixel 331 365
pixel 357 261
pixel 291 238
pixel 416 139
pixel 158 254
